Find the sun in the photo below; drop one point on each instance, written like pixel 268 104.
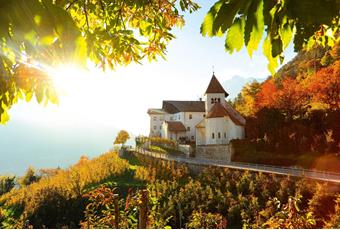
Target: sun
pixel 67 78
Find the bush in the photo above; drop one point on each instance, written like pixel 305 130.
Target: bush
pixel 7 183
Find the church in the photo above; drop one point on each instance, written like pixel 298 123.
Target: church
pixel 212 121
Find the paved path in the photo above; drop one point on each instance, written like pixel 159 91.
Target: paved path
pixel 313 174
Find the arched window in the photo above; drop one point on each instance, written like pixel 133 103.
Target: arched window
pixel 213 135
pixel 219 99
pixel 225 135
pixel 219 135
pixel 212 100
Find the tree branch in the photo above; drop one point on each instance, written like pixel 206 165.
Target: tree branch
pixel 69 5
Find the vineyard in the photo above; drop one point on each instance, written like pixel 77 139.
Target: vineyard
pixel 110 192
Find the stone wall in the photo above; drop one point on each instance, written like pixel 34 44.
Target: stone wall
pixel 214 152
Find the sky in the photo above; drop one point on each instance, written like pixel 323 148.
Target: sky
pixel 100 102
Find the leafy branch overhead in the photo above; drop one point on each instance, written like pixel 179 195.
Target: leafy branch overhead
pixel 38 35
pixel 247 22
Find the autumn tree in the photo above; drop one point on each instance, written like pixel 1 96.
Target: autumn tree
pixel 6 184
pixel 267 94
pixel 122 137
pixel 30 177
pixel 324 86
pixel 245 101
pixel 39 35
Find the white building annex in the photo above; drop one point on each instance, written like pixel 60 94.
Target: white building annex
pixel 209 122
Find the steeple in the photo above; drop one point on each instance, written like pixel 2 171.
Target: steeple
pixel 215 86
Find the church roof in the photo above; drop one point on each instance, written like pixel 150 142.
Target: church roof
pixel 218 110
pixel 235 116
pixel 215 87
pixel 183 106
pixel 176 126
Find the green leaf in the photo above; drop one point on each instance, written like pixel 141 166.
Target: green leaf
pixel 207 25
pixel 267 50
pixel 4 117
pixel 254 26
pixel 276 44
pixel 29 96
pixel 234 38
pixel 47 40
pixel 225 15
pixel 286 33
pixel 40 93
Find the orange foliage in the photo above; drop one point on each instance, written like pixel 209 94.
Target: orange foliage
pixel 324 86
pixel 266 96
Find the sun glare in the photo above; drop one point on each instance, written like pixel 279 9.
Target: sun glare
pixel 68 77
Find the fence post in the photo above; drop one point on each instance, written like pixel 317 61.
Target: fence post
pixel 143 210
pixel 115 200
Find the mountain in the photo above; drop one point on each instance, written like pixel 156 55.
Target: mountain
pixel 234 85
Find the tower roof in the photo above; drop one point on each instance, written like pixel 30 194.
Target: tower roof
pixel 215 87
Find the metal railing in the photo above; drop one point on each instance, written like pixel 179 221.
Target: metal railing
pixel 314 174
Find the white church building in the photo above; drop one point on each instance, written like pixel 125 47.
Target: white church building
pixel 210 122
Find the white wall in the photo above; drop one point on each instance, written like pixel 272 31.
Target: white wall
pixel 209 96
pixel 184 117
pixel 235 131
pixel 156 121
pixel 216 126
pixel 200 136
pixel 196 117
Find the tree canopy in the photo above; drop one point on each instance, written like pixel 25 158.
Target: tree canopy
pixel 246 22
pixel 37 35
pixel 122 137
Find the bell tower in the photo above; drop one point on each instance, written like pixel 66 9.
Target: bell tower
pixel 215 93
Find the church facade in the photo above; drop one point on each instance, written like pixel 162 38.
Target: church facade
pixel 212 121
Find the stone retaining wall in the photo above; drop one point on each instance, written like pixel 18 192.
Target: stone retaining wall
pixel 214 152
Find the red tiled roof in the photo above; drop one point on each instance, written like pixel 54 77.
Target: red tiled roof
pixel 218 110
pixel 176 126
pixel 215 87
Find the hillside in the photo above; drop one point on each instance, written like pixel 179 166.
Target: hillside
pixel 82 196
pixel 294 115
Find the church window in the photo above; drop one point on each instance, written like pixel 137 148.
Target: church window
pixel 219 135
pixel 219 99
pixel 188 128
pixel 225 135
pixel 212 100
pixel 213 135
pixel 190 116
